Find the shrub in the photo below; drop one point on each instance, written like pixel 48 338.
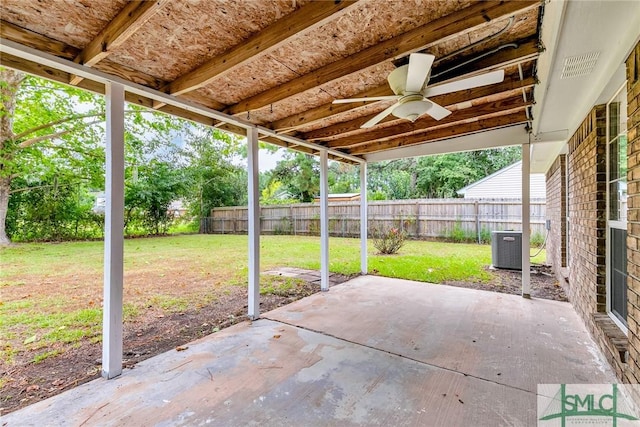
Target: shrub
pixel 459 235
pixel 485 236
pixel 537 239
pixel 389 241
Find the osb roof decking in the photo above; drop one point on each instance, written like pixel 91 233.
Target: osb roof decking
pixel 281 63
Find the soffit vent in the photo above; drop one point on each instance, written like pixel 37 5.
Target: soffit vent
pixel 580 65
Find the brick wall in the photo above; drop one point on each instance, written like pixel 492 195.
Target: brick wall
pixel 586 286
pixel 632 373
pixel 587 215
pixel 556 213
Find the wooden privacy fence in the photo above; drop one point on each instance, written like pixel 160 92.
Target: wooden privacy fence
pixel 420 218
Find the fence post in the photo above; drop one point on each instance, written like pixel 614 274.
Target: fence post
pixel 293 219
pixel 477 213
pixel 418 220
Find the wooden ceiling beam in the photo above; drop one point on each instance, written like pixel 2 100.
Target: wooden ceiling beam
pixel 443 133
pixel 455 23
pixel 96 87
pixel 125 24
pixel 446 100
pixel 37 41
pixel 302 20
pixel 48 45
pixel 405 126
pixel 326 110
pixel 527 50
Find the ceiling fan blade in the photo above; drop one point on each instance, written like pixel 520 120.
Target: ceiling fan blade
pixel 419 68
pixel 438 112
pixel 468 83
pixel 381 115
pixel 368 98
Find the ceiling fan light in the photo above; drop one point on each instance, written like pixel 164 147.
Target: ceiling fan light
pixel 411 110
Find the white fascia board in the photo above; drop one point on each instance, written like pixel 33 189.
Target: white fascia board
pixel 545 148
pixel 543 154
pixel 34 55
pixel 503 137
pixel 554 12
pixel 616 35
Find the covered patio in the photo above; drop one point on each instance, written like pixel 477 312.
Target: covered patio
pixel 373 351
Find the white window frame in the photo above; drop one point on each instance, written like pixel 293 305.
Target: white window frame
pixel 611 223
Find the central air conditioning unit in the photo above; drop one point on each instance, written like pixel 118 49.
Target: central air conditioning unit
pixel 506 249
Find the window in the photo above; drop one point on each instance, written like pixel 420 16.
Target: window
pixel 617 208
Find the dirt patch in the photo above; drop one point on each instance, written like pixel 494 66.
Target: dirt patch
pixel 153 333
pixel 543 283
pixel 156 331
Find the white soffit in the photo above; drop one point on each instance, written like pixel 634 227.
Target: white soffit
pixel 588 41
pixel 503 137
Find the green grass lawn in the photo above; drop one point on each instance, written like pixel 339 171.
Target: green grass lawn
pixel 418 260
pixel 50 293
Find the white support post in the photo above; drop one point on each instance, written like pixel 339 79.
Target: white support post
pixel 526 226
pixel 324 222
pixel 254 224
pixel 113 234
pixel 364 226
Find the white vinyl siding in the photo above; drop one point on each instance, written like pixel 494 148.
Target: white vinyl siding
pixel 505 184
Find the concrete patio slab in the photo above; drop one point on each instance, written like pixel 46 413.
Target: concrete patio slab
pixel 505 338
pixel 372 351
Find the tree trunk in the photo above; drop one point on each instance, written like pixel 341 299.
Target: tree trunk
pixel 12 80
pixel 4 204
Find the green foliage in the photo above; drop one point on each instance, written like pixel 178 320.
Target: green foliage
pixel 274 193
pixel 285 226
pixel 299 173
pixel 343 178
pixel 425 177
pixel 58 130
pixel 148 196
pixel 441 176
pixel 55 210
pixel 213 180
pixel 458 234
pixel 537 240
pixel 485 236
pixel 280 286
pixel 377 195
pixel 389 241
pixel 55 157
pixel 43 356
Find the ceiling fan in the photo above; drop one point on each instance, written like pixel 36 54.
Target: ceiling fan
pixel 409 83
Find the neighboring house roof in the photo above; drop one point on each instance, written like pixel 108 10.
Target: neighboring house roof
pixel 177 205
pixel 341 197
pixel 505 184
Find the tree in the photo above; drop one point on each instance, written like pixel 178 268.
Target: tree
pixel 149 194
pixel 213 179
pixel 9 84
pixel 442 176
pixel 50 130
pixel 300 175
pixel 57 209
pixel 343 178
